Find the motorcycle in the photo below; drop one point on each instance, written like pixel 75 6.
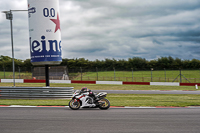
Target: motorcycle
pixel 88 99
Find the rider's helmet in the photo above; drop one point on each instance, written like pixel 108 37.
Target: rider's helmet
pixel 84 89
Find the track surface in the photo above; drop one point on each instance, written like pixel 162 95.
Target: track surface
pixel 64 120
pixel 147 92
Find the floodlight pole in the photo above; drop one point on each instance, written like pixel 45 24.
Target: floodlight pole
pixel 9 16
pixel 13 62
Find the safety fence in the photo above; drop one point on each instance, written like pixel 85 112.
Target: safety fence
pixel 36 92
pixel 62 73
pixel 182 76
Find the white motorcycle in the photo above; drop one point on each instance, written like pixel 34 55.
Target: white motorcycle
pixel 87 99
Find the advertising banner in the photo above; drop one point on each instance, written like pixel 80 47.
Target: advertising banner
pixel 44 32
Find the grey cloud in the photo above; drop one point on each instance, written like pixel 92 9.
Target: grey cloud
pixel 115 28
pixel 157 42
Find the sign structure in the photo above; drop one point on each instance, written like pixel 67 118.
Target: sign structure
pixel 44 32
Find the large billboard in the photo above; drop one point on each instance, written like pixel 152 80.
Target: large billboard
pixel 44 32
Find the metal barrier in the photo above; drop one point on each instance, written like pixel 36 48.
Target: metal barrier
pixel 36 92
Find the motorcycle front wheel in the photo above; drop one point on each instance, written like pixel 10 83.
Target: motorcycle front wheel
pixel 104 104
pixel 74 104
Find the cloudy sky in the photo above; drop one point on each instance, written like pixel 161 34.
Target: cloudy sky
pixel 120 29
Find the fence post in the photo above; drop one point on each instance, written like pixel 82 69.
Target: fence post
pixel 19 72
pixel 97 73
pixel 4 72
pixel 165 74
pixel 114 73
pixel 151 75
pixel 81 73
pixel 180 76
pixel 132 74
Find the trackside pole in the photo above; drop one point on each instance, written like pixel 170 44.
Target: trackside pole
pixel 47 75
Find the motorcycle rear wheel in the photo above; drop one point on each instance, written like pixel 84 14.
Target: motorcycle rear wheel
pixel 105 105
pixel 74 104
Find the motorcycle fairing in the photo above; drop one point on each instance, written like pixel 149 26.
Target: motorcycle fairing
pixel 83 98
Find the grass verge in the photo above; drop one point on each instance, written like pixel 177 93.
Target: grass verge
pixel 176 100
pixel 115 99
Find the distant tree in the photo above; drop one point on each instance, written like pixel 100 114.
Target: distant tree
pixel 163 62
pixel 186 64
pixel 137 63
pixel 152 64
pixel 27 66
pixel 194 63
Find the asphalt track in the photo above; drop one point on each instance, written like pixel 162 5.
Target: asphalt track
pixel 114 120
pixel 147 92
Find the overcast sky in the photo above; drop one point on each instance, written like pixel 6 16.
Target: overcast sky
pixel 120 29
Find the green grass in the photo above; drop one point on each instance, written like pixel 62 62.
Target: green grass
pixel 116 99
pixel 122 100
pixel 154 100
pixel 54 102
pixel 21 75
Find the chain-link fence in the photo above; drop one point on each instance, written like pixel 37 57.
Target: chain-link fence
pixel 184 76
pixel 62 73
pixel 55 72
pixel 20 73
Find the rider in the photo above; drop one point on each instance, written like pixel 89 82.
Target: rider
pixel 91 94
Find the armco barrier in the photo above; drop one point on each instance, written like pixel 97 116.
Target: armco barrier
pixel 36 92
pixel 99 82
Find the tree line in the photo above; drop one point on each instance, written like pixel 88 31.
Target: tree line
pixel 134 63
